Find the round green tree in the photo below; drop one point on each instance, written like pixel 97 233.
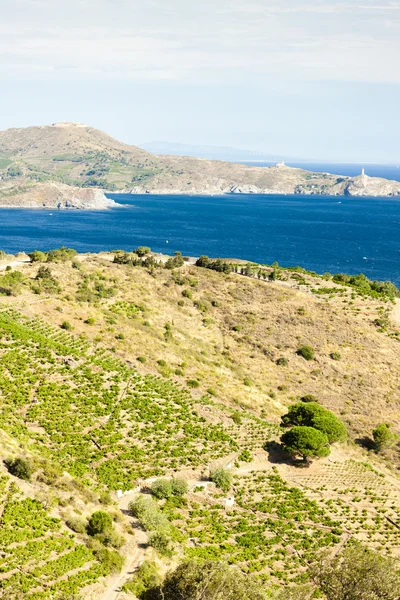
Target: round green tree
pixel 305 442
pixel 311 414
pixel 99 522
pixel 384 437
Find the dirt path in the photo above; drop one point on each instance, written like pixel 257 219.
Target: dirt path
pixel 14 263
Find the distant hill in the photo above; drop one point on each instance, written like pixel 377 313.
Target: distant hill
pixel 211 152
pixel 83 157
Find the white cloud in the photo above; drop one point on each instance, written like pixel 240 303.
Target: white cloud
pixel 186 40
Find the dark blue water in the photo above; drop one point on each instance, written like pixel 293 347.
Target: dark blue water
pixel 350 169
pixel 337 234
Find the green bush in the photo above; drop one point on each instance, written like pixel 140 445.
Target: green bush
pixel 384 437
pixel 99 522
pixel 222 479
pixel 142 251
pixel 111 538
pixel 161 488
pixel 66 325
pixel 307 352
pixel 77 524
pixel 20 467
pixel 146 577
pixel 161 542
pixel 282 361
pixel 193 383
pixel 38 256
pixel 179 487
pixel 308 398
pixel 209 580
pixel 111 560
pixel 335 355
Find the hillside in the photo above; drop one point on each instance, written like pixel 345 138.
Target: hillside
pixel 83 157
pixel 115 372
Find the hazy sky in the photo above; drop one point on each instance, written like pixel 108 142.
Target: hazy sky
pixel 311 78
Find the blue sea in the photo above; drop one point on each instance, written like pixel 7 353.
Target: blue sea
pixel 320 233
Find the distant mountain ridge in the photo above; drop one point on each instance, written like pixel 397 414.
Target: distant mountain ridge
pixel 80 156
pixel 211 152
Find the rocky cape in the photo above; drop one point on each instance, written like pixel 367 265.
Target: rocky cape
pixel 71 165
pixel 54 195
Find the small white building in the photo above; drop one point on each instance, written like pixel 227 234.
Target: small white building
pixel 229 502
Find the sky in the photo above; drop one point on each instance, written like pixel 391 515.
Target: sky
pixel 316 79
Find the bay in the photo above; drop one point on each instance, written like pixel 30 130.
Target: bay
pixel 321 233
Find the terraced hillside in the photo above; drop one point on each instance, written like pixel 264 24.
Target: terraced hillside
pixel 113 375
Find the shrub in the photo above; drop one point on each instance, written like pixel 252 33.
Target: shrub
pixel 311 414
pixel 308 398
pixel 222 479
pixel 66 325
pixel 161 488
pixel 142 359
pixel 306 442
pixel 161 542
pixel 384 437
pixel 146 577
pixel 90 321
pixel 335 355
pixel 210 580
pixel 11 283
pixel 193 383
pixel 111 538
pixel 282 361
pixel 38 256
pixel 175 262
pixel 111 560
pixel 358 573
pixel 99 522
pixel 142 251
pixel 179 487
pixel 20 467
pixel 77 524
pixel 307 352
pixel 187 294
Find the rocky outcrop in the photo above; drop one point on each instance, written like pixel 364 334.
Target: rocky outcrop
pixel 270 181
pixel 53 195
pixel 372 186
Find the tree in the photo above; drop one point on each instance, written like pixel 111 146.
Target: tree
pixel 161 488
pixel 179 487
pixel 209 580
pixel 384 437
pixel 202 261
pixel 222 479
pixel 312 414
pixel 99 522
pixel 20 467
pixel 306 442
pixel 358 574
pixel 306 352
pixel 38 256
pixel 142 250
